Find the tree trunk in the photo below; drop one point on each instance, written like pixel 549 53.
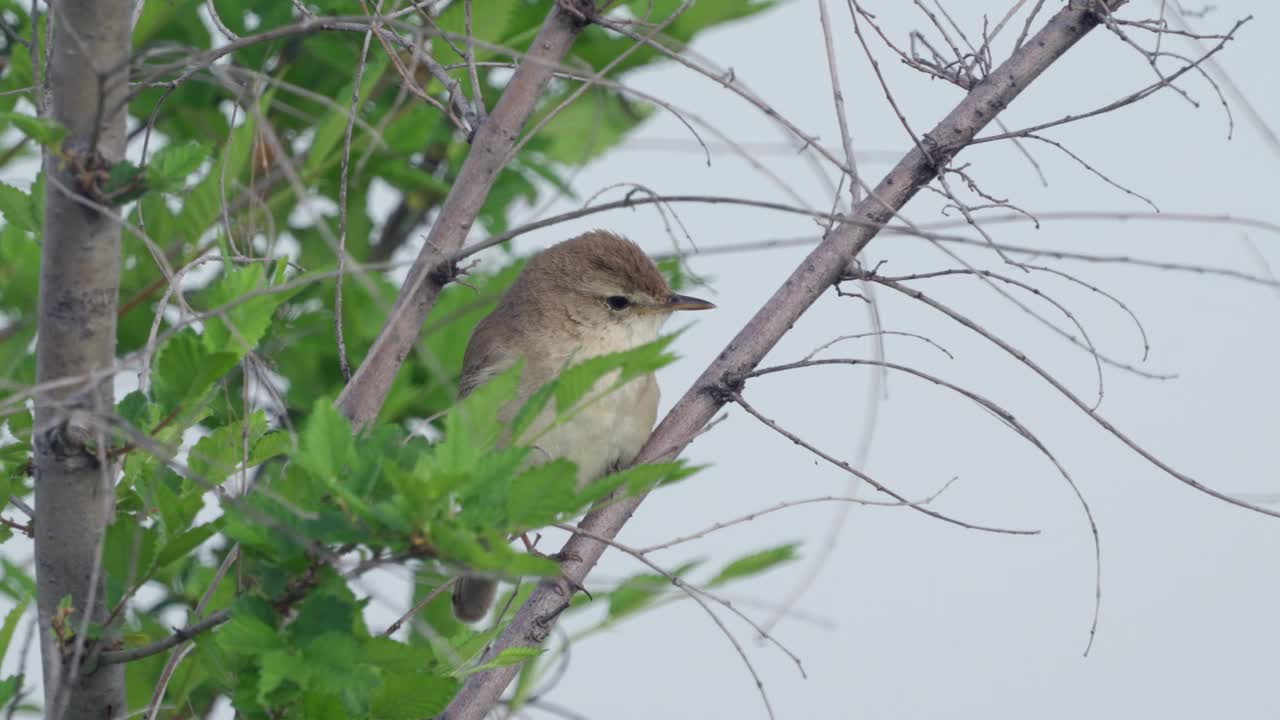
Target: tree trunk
pixel 79 279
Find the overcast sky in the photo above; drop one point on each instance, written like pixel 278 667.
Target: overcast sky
pixel 912 617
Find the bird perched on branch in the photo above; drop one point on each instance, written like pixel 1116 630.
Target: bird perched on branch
pixel 595 294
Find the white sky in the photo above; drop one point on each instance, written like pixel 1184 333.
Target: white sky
pixel 911 617
pixel 922 619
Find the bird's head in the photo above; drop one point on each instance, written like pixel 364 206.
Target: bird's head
pixel 605 284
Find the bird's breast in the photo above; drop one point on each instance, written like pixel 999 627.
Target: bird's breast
pixel 607 428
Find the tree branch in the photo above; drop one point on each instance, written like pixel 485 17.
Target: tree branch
pixel 815 274
pixel 362 398
pixel 179 636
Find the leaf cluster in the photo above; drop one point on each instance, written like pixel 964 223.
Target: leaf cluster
pixel 230 443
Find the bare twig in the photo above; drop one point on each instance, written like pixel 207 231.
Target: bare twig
pixel 361 399
pixel 814 275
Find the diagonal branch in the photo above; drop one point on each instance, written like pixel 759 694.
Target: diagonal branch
pixel 362 398
pixel 815 274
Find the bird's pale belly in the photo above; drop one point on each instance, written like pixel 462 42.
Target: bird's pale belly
pixel 604 432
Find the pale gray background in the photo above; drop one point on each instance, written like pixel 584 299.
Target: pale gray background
pixel 923 619
pixel 911 617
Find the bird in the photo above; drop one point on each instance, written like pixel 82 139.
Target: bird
pixel 594 294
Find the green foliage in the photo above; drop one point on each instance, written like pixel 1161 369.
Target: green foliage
pixel 169 169
pixel 18 209
pixel 231 439
pixel 755 563
pixel 43 130
pixel 9 685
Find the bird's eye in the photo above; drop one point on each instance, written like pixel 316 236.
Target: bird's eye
pixel 618 302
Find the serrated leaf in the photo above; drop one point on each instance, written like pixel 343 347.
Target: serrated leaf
pixel 326 445
pixel 509 656
pixel 331 609
pixel 10 624
pixel 330 131
pixel 203 202
pixel 531 409
pixel 396 657
pixel 268 446
pixel 755 563
pixel 638 478
pixel 238 329
pixel 410 696
pixel 245 634
pixel 185 542
pixel 575 382
pixel 541 495
pixel 16 206
pixel 186 368
pixel 124 183
pixel 277 666
pixel 220 452
pixel 17 584
pixel 43 130
pixel 472 426
pixel 168 169
pixel 635 593
pixel 135 409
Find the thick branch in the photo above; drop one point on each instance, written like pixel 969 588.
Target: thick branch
pixel 815 274
pixel 79 285
pixel 362 398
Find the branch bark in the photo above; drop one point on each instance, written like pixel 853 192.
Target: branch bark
pixel 79 285
pixel 815 274
pixel 362 398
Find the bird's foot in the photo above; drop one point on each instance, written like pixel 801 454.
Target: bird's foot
pixel 560 558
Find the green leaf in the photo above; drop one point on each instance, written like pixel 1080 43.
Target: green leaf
pixel 328 609
pixel 755 563
pixel 472 426
pixel 635 593
pixel 271 445
pixel 185 542
pixel 186 368
pixel 531 410
pixel 128 552
pixel 16 584
pixel 326 446
pixel 509 656
pixel 397 657
pixel 247 635
pixel 574 383
pixel 243 322
pixel 412 695
pixel 168 169
pixel 43 130
pixel 329 132
pixel 124 183
pixel 16 206
pixel 543 494
pixel 9 688
pixel 277 667
pixel 11 623
pixel 215 455
pixel 490 482
pixel 203 202
pixel 638 478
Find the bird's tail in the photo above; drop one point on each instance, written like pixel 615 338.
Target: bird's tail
pixel 472 597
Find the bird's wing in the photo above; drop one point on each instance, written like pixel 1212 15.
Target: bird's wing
pixel 482 359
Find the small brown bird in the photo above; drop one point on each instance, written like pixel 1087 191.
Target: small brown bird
pixel 595 294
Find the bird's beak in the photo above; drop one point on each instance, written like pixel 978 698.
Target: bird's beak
pixel 685 302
